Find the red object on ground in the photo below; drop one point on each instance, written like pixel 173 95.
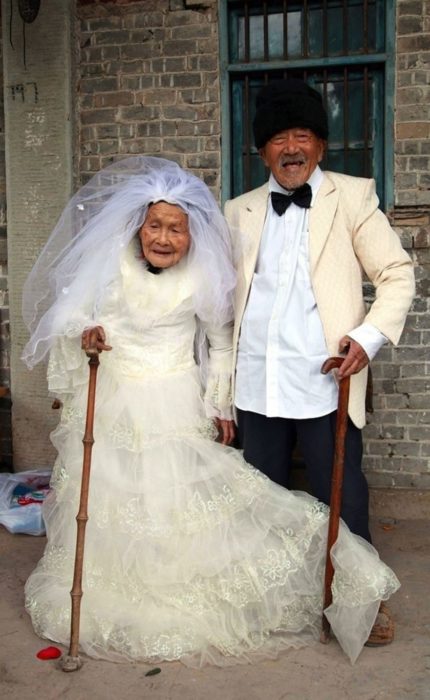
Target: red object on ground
pixel 26 500
pixel 49 653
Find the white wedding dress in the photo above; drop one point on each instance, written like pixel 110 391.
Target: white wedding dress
pixel 190 553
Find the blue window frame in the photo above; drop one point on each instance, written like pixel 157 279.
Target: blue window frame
pixel 344 48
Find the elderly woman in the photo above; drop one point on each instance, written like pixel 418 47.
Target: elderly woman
pixel 190 553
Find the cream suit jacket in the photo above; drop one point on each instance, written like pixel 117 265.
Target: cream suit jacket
pixel 348 237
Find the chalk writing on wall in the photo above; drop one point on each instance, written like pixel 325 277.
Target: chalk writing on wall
pixel 26 92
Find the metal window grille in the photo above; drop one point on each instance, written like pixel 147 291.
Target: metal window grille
pixel 340 47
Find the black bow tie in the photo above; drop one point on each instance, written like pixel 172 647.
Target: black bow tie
pixel 302 197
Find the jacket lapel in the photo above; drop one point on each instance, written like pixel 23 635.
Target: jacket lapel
pixel 321 218
pixel 252 224
pixel 252 216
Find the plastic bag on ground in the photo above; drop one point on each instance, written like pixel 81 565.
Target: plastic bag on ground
pixel 21 499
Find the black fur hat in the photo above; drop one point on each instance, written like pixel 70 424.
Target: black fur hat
pixel 286 104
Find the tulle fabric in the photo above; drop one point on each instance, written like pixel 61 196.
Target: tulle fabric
pixel 82 256
pixel 190 553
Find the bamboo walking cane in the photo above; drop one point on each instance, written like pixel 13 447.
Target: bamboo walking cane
pixel 336 485
pixel 73 662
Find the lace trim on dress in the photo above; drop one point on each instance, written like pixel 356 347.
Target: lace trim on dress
pixel 134 438
pixel 241 587
pixel 348 587
pixel 218 397
pixel 67 365
pixel 235 594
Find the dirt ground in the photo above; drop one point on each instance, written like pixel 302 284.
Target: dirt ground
pixel 400 671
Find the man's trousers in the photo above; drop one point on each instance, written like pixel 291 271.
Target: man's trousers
pixel 268 444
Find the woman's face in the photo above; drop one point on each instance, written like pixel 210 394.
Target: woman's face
pixel 164 235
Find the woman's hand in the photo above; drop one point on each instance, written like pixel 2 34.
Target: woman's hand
pixel 94 340
pixel 226 431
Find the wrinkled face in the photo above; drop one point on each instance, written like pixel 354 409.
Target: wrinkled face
pixel 164 235
pixel 292 156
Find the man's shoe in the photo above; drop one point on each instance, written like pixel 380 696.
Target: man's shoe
pixel 382 632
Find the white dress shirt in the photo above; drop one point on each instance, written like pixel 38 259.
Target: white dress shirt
pixel 282 345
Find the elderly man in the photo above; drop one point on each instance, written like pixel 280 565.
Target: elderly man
pixel 307 236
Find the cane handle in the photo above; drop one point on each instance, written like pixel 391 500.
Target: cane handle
pixel 331 363
pixel 92 349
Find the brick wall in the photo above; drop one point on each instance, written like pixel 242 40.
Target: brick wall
pixel 398 438
pixel 412 177
pixel 149 84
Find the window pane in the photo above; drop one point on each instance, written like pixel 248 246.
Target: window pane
pixel 315 32
pixel 294 34
pixel 353 27
pixel 351 100
pixel 353 91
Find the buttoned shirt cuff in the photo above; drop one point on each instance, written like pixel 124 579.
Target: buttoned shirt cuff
pixel 369 337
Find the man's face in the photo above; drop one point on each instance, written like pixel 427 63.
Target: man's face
pixel 165 236
pixel 292 156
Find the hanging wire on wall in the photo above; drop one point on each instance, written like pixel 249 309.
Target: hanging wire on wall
pixel 28 11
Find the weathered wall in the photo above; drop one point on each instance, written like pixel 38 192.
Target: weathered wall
pixel 149 83
pixel 38 173
pixel 5 403
pixel 398 438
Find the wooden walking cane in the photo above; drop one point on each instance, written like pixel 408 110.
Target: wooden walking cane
pixel 336 485
pixel 73 662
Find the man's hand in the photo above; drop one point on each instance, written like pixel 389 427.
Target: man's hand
pixel 355 359
pixel 226 431
pixel 94 340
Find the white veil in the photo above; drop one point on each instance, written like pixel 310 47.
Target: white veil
pixel 82 255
